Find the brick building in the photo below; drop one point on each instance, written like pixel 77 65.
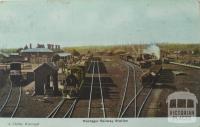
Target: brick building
pixel 37 55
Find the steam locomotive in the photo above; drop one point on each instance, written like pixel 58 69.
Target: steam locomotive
pixel 74 81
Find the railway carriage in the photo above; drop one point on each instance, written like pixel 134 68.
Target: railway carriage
pixel 129 58
pixel 146 61
pixel 15 73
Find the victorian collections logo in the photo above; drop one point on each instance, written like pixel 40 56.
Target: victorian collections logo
pixel 182 107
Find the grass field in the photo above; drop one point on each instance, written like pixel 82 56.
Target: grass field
pixel 136 47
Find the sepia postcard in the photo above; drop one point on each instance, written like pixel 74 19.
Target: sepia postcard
pixel 99 63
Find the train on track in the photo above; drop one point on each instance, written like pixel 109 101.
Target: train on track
pixel 75 78
pixel 150 77
pixel 74 81
pixel 147 61
pixel 143 60
pixel 15 73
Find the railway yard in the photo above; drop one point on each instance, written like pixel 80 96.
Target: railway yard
pixel 100 63
pixel 112 88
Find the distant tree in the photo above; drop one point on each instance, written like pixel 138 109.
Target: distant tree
pixel 19 50
pixel 75 52
pixel 26 47
pixel 196 51
pixel 88 52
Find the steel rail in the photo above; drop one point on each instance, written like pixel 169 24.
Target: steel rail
pixel 125 89
pixel 71 109
pixel 8 97
pixel 131 102
pixel 100 85
pixel 145 100
pixel 56 108
pixel 89 66
pixel 135 97
pixel 135 90
pixel 18 102
pixel 90 99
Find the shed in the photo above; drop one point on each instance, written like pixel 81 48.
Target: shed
pixel 64 56
pixel 44 75
pixel 4 57
pixel 4 54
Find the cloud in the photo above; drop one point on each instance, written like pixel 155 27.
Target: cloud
pixel 97 21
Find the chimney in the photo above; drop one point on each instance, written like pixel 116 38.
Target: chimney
pixel 30 46
pixel 49 46
pixel 52 47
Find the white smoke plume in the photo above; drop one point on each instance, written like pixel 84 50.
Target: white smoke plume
pixel 153 50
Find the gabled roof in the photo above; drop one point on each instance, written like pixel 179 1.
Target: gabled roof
pixel 37 50
pixel 50 65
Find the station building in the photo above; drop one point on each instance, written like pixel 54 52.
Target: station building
pixel 37 55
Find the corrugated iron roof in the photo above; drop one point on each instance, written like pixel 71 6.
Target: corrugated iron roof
pixel 4 54
pixel 37 50
pixel 64 54
pixel 51 65
pixel 14 54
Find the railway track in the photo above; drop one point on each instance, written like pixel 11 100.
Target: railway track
pixel 139 98
pixel 58 112
pixel 63 109
pixel 8 109
pixel 130 88
pixel 144 97
pixel 94 107
pixel 125 91
pixel 145 92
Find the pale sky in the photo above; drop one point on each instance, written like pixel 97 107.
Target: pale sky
pixel 96 22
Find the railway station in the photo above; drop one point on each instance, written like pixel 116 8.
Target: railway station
pixel 116 63
pixel 96 84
